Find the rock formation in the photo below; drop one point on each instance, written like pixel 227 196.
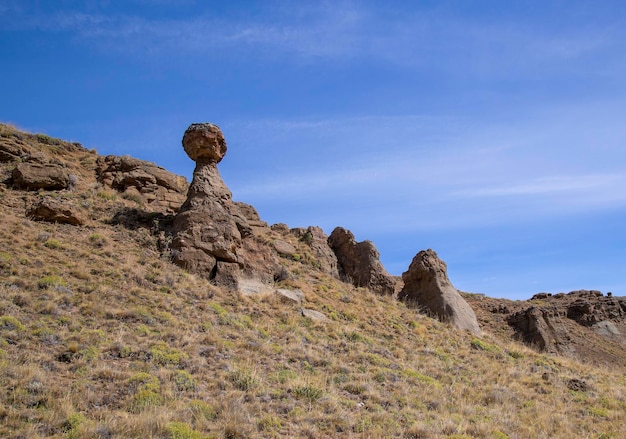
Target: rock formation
pixel 359 263
pixel 317 241
pixel 211 234
pixel 539 328
pixel 426 284
pixel 35 176
pixel 545 323
pixel 153 186
pixel 55 210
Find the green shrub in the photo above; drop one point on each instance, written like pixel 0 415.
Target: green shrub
pixel 50 281
pixel 308 392
pixel 164 355
pixel 482 346
pixel 11 323
pixel 53 243
pixel 180 430
pixel 184 381
pixel 244 379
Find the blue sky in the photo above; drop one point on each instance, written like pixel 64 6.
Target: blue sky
pixel 490 131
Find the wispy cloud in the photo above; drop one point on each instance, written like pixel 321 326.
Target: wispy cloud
pixel 342 31
pixel 550 185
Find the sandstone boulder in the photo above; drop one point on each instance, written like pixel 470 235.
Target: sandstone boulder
pixel 359 263
pixel 156 188
pixel 426 284
pixel 35 176
pixel 211 234
pixel 290 296
pixel 284 248
pixel 53 210
pixel 314 315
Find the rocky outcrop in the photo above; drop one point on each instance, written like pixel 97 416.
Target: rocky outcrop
pixel 249 214
pixel 315 238
pixel 211 234
pixel 151 185
pixel 541 324
pixel 540 328
pixel 35 176
pixel 54 210
pixel 426 285
pixel 359 262
pixel 10 152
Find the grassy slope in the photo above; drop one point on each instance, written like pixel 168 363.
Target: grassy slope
pixel 102 337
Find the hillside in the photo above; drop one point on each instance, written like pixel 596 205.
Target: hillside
pixel 103 336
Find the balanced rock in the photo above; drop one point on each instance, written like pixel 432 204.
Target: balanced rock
pixel 426 284
pixel 211 235
pixel 359 262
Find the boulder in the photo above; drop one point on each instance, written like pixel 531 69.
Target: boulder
pixel 359 263
pixel 211 234
pixel 35 176
pixel 426 285
pixel 53 210
pixel 284 248
pixel 158 189
pixel 290 296
pixel 314 315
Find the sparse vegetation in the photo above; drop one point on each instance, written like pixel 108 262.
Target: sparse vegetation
pixel 100 337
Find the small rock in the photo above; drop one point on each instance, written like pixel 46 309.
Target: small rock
pixel 284 248
pixel 314 315
pixel 577 385
pixel 295 296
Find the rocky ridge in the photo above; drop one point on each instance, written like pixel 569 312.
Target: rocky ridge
pixel 201 228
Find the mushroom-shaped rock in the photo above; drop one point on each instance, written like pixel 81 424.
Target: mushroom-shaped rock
pixel 359 262
pixel 204 142
pixel 426 284
pixel 211 236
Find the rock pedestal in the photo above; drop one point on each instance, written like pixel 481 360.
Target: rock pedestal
pixel 426 285
pixel 210 235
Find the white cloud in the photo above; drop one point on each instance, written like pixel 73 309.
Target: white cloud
pixel 344 31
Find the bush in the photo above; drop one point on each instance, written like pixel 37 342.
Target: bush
pixel 180 430
pixel 53 243
pixel 50 282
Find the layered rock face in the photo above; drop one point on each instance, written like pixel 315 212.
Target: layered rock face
pixel 426 284
pixel 157 188
pixel 211 234
pixel 359 262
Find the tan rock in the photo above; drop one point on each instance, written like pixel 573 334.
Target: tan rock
pixel 359 263
pixel 211 234
pixel 53 210
pixel 426 285
pixel 35 176
pixel 204 143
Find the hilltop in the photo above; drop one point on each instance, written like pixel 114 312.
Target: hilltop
pixel 115 323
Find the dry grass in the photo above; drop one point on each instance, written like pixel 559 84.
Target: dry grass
pixel 100 337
